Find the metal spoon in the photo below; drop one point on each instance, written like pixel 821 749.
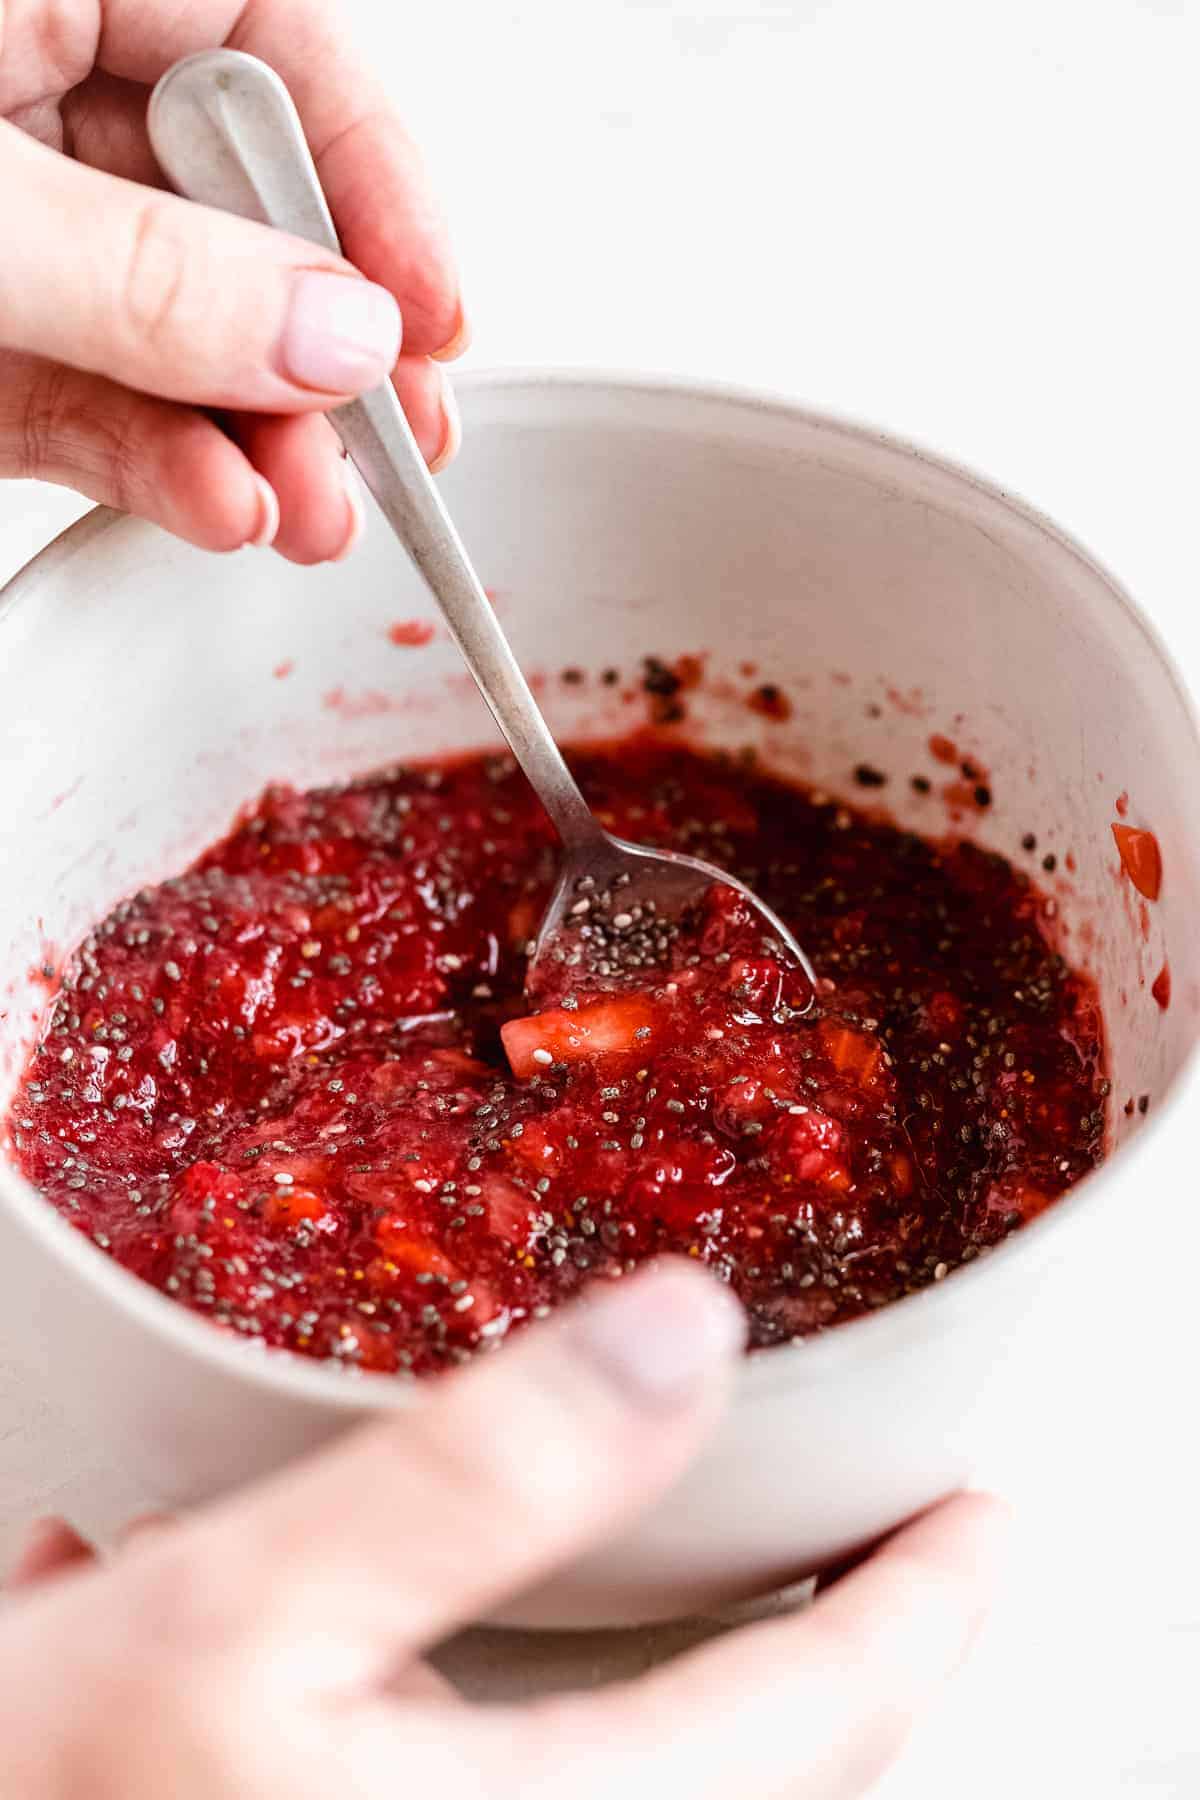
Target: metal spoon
pixel 225 132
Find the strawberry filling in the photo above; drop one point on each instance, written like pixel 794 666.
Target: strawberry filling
pixel 298 1087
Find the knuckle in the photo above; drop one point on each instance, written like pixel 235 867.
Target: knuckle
pixel 68 424
pixel 428 298
pixel 154 275
pixel 125 454
pixel 45 421
pixel 178 1602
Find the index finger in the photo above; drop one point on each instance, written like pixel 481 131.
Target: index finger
pixel 374 179
pixel 815 1705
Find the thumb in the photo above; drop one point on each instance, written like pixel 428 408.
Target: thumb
pixel 490 1479
pixel 178 300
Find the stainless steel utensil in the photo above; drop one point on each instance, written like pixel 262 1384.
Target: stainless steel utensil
pixel 226 133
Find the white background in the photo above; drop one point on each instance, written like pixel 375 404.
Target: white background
pixel 972 223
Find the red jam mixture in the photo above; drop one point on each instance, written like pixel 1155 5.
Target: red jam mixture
pixel 298 1089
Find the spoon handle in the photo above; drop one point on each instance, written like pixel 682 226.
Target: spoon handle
pixel 226 134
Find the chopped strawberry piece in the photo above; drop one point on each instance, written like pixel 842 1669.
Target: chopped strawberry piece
pixel 848 930
pixel 1141 859
pixel 510 1211
pixel 809 1146
pixel 374 1350
pixel 206 1193
pixel 1012 1195
pixel 289 1205
pixel 478 1305
pixel 944 1013
pixel 655 1196
pixel 740 1103
pixel 523 919
pixel 682 1182
pixel 756 980
pixel 619 1026
pixel 902 1173
pixel 284 1037
pixel 390 1187
pixel 852 1052
pixel 307 1171
pixel 536 1148
pixel 458 1062
pixel 205 1180
pixel 404 1245
pixel 725 915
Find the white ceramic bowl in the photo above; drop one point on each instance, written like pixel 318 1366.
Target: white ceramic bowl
pixel 147 691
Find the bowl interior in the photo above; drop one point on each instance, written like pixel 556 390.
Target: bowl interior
pixel 911 618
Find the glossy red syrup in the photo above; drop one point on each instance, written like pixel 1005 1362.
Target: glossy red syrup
pixel 298 1088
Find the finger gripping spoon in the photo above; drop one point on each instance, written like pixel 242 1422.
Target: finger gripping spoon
pixel 226 134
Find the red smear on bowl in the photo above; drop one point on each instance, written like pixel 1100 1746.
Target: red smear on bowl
pixel 410 634
pixel 1141 859
pixel 1161 987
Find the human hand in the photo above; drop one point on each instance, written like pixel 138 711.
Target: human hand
pixel 131 320
pixel 270 1647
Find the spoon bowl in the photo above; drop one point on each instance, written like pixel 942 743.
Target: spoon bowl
pixel 619 910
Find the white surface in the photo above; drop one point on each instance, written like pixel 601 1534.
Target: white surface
pixel 972 225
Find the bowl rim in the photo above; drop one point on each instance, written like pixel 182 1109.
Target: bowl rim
pixel 914 1317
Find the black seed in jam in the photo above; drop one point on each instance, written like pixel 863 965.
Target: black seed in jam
pixel 610 677
pixel 921 784
pixel 869 777
pixel 983 795
pixel 1143 1103
pixel 770 702
pixel 1029 842
pixel 333 1125
pixel 572 677
pixel 1050 863
pixel 657 678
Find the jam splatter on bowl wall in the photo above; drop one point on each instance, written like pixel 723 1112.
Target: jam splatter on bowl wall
pixel 885 599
